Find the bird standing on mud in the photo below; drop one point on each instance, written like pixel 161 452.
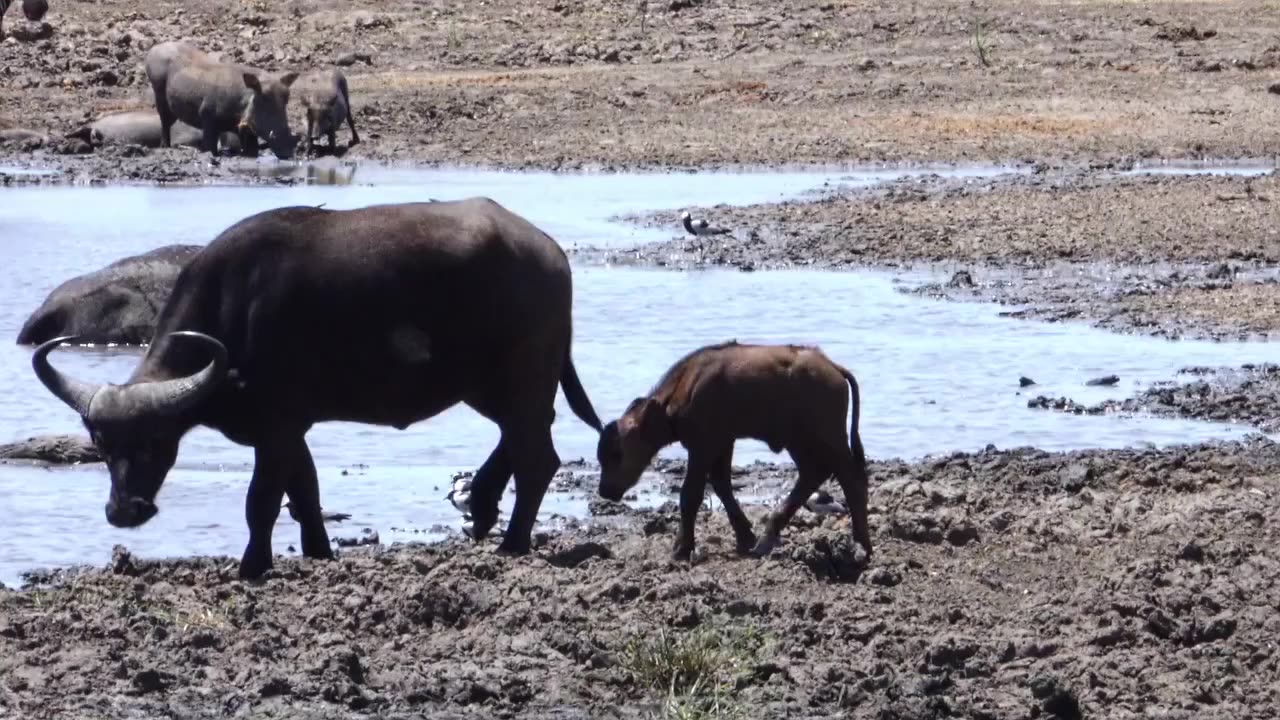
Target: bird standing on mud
pixel 460 496
pixel 700 228
pixel 821 503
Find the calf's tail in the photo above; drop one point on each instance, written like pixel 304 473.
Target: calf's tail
pixel 576 395
pixel 855 442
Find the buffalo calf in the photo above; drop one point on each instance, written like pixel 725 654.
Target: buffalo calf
pixel 790 397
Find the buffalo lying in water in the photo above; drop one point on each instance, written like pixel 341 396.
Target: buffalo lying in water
pixel 384 315
pixel 789 397
pixel 118 303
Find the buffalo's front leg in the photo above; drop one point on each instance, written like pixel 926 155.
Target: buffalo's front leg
pixel 261 507
pixel 691 494
pixel 304 492
pixel 486 490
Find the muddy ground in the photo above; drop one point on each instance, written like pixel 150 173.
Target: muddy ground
pixel 1006 583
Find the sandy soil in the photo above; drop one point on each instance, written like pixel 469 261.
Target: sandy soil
pixel 1006 584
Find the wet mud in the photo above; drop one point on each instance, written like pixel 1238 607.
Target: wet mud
pixel 1006 583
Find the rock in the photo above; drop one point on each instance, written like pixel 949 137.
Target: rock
pixel 916 528
pixel 52 449
pixel 149 681
pixel 603 508
pixel 122 561
pixel 1025 381
pixel 1076 477
pixel 1191 551
pixel 1105 381
pixel 961 279
pixel 1001 520
pixel 1274 88
pixel 866 64
pixel 579 554
pixel 1221 271
pixel 832 556
pixel 962 534
pixel 884 577
pixel 1055 700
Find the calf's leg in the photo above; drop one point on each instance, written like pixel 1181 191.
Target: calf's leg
pixel 851 473
pixel 722 484
pixel 691 494
pixel 812 473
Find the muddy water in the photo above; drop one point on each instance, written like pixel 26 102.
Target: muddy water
pixel 935 376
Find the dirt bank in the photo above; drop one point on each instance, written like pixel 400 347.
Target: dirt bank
pixel 1249 394
pixel 1006 584
pixel 698 82
pixel 1164 255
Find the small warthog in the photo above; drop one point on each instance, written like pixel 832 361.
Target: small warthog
pixel 787 396
pixel 218 97
pixel 325 99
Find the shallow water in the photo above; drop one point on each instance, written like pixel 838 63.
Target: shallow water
pixel 934 376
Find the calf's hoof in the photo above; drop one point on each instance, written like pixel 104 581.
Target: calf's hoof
pixel 746 543
pixel 682 553
pixel 765 546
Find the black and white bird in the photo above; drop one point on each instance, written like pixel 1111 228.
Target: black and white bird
pixel 328 516
pixel 700 227
pixel 821 503
pixel 460 496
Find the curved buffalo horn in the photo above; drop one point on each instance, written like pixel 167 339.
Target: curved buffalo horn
pixel 163 397
pixel 79 395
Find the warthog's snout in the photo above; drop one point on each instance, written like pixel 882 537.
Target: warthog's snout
pixel 131 513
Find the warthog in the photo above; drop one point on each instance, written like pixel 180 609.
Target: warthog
pixel 217 97
pixel 301 315
pixel 118 303
pixel 790 397
pixel 143 127
pixel 324 97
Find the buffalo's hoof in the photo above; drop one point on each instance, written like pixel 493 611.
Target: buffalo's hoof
pixel 682 552
pixel 254 568
pixel 513 548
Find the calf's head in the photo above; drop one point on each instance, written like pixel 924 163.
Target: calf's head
pixel 136 426
pixel 268 112
pixel 627 446
pixel 34 9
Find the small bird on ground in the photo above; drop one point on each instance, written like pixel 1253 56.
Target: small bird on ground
pixel 700 227
pixel 460 496
pixel 821 503
pixel 328 516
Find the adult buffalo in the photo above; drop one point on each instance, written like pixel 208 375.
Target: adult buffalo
pixel 385 315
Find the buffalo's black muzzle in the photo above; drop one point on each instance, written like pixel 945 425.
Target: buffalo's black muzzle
pixel 130 513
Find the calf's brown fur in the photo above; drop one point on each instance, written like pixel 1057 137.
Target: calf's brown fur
pixel 790 397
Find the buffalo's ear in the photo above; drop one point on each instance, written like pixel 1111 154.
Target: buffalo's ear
pixel 251 81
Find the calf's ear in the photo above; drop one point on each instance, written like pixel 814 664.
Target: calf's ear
pixel 287 79
pixel 251 82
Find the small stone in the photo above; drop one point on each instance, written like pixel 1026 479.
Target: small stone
pixel 122 561
pixel 1192 551
pixel 148 681
pixel 884 577
pixel 1076 476
pixel 1274 88
pixel 1104 381
pixel 1025 381
pixel 961 535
